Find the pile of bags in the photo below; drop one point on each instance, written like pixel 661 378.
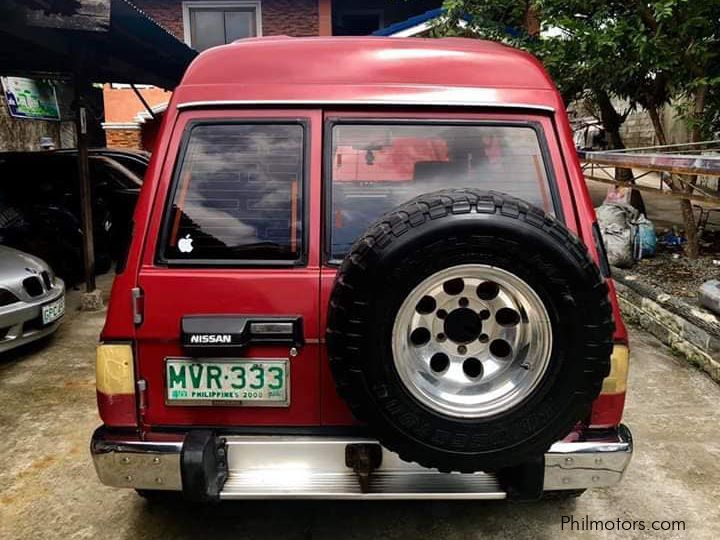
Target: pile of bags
pixel 628 235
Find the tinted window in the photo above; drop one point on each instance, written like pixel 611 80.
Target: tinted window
pixel 378 167
pixel 238 194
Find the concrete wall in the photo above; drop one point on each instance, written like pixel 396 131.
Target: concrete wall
pixel 638 131
pixel 689 330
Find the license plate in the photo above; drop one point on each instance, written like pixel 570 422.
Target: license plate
pixel 225 381
pixel 53 311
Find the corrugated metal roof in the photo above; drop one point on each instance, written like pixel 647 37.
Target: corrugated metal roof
pixel 409 23
pixel 134 49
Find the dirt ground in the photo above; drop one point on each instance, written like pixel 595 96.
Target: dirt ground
pixel 678 276
pixel 48 487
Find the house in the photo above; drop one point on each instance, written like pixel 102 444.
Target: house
pixel 130 123
pixel 417 26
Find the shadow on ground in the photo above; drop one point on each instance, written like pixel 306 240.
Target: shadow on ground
pixel 348 519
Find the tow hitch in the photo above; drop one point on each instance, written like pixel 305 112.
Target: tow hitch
pixel 363 459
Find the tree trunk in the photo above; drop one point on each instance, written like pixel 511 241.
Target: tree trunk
pixel 531 20
pixel 662 139
pixel 612 121
pixel 692 249
pixel 657 125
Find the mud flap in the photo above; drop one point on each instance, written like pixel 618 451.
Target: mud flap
pixel 524 482
pixel 203 465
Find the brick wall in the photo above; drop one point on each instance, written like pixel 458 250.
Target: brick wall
pixel 290 17
pixel 123 138
pixel 166 12
pixel 279 17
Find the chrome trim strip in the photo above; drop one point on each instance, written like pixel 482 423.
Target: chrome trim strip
pixel 277 467
pixel 402 103
pixel 590 463
pixel 126 461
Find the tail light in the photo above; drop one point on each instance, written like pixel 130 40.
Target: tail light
pixel 608 407
pixel 616 381
pixel 115 383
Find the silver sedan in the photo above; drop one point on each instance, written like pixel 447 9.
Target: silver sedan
pixel 32 299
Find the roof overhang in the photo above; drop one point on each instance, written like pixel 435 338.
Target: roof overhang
pixel 126 47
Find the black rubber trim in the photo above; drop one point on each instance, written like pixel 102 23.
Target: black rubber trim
pixel 203 466
pixel 601 251
pixel 524 482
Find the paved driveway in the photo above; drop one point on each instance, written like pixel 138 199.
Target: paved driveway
pixel 48 487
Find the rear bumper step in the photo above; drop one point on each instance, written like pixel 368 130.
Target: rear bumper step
pixel 207 466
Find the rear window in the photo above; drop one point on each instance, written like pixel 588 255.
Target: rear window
pixel 238 195
pixel 376 167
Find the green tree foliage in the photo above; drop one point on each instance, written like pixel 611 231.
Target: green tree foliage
pixel 648 53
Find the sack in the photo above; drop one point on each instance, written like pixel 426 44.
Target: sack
pixel 615 221
pixel 645 238
pixel 619 245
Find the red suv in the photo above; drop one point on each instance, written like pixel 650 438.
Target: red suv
pixel 360 267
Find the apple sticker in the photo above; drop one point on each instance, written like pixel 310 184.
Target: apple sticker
pixel 185 244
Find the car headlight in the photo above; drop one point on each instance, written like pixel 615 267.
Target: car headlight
pixel 7 298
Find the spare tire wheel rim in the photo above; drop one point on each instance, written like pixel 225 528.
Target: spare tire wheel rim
pixel 472 341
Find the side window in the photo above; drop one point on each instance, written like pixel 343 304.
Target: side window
pixel 237 195
pixel 377 167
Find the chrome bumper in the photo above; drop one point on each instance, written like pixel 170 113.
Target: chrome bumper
pixel 263 467
pixel 20 322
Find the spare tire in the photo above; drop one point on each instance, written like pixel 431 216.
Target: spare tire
pixel 470 330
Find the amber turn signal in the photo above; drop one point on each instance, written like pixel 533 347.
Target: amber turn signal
pixel 616 381
pixel 114 371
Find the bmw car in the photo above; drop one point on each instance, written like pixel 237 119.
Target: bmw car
pixel 32 299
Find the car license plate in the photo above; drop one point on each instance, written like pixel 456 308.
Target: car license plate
pixel 53 311
pixel 224 381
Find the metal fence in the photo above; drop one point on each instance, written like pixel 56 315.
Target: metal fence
pixel 677 166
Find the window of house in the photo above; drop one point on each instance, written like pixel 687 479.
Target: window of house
pixel 209 24
pixel 238 194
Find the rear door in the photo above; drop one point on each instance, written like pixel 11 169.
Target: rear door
pixel 376 160
pixel 230 275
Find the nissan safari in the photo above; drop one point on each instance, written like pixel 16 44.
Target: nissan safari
pixel 363 268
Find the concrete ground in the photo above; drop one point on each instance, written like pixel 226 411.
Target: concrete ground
pixel 48 487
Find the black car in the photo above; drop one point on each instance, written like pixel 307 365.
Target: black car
pixel 40 205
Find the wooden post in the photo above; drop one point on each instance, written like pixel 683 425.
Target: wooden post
pixel 325 17
pixel 84 178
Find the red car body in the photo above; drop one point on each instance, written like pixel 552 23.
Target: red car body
pixel 313 80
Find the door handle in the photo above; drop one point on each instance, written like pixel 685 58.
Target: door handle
pixel 221 333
